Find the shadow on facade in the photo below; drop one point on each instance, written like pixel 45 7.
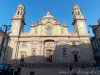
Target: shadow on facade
pixel 61 55
pixel 8 55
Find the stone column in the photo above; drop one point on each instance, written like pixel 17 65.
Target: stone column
pixel 42 52
pixel 13 45
pixel 29 54
pixel 69 52
pixel 17 58
pixel 82 53
pixel 55 53
pixel 39 52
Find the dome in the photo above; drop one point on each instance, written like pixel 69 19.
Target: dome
pixel 48 14
pixel 75 7
pixel 21 6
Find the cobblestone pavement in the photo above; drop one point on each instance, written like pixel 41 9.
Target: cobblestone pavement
pixel 60 71
pixel 25 71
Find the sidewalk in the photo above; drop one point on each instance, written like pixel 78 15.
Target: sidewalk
pixel 25 71
pixel 58 71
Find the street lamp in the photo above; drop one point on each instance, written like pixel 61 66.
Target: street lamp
pixel 7 27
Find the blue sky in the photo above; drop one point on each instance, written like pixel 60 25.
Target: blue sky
pixel 60 9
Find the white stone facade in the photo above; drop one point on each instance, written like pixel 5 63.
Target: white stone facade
pixel 49 41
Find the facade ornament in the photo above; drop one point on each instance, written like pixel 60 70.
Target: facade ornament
pixel 64 23
pixel 32 23
pixel 58 20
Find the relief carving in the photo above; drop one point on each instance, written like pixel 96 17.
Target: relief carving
pixel 49 44
pixel 34 44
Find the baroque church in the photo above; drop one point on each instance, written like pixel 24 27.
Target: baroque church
pixel 49 41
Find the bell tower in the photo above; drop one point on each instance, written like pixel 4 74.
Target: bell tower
pixel 18 21
pixel 79 21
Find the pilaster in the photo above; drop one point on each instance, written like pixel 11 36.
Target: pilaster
pixel 82 52
pixel 42 52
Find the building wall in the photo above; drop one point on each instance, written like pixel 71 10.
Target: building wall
pixel 61 45
pixel 37 44
pixel 4 45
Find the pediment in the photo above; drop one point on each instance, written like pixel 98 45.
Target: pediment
pixel 48 20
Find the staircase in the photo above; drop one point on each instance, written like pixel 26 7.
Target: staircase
pixel 53 65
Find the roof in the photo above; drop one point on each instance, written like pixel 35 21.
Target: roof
pixel 48 15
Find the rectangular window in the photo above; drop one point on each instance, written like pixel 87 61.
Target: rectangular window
pixel 24 44
pixel 49 31
pixel 64 52
pixel 73 43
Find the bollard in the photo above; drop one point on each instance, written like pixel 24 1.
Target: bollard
pixel 32 72
pixel 16 73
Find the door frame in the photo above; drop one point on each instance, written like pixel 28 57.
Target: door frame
pixel 77 57
pixel 75 52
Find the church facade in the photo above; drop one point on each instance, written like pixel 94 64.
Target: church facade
pixel 49 41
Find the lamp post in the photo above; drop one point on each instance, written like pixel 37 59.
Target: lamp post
pixel 7 27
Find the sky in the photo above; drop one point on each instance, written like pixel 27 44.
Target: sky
pixel 60 9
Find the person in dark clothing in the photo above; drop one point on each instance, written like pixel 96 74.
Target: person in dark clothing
pixel 82 66
pixel 94 65
pixel 70 66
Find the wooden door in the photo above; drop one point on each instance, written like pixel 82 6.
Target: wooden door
pixel 22 58
pixel 49 55
pixel 75 58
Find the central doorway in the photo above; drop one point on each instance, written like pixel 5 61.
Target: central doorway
pixel 22 58
pixel 49 55
pixel 75 57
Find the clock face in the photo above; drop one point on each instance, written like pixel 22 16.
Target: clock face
pixel 81 25
pixel 15 25
pixel 79 16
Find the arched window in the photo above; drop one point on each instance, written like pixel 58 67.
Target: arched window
pixel 73 43
pixel 18 12
pixel 21 13
pixel 78 13
pixel 49 31
pixel 24 44
pixel 75 13
pixel 64 52
pixel 19 7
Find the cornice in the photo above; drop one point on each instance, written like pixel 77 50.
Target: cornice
pixel 78 19
pixel 52 24
pixel 19 19
pixel 69 36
